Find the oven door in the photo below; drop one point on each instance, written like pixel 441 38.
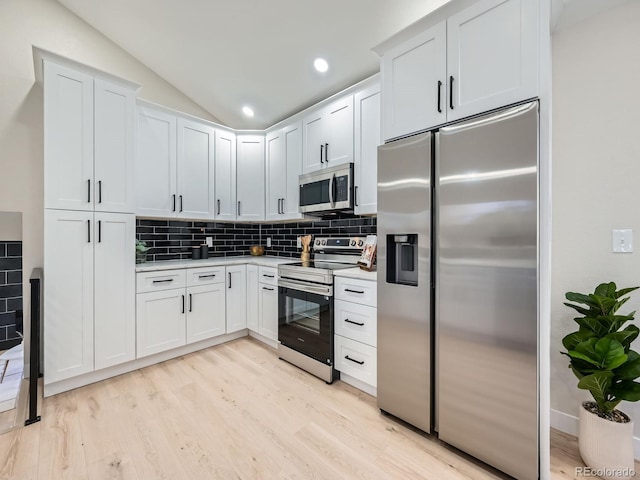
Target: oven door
pixel 305 319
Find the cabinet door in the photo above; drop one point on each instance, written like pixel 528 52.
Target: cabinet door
pixel 492 55
pixel 160 321
pixel 68 138
pixel 252 298
pixel 195 170
pixel 268 308
pixel 114 289
pixel 205 312
pixel 250 178
pixel 156 164
pixel 236 298
pixel 339 146
pixel 68 294
pixel 225 176
pixel 314 138
pixel 367 139
pixel 276 176
pixel 413 84
pixel 114 119
pixel 292 136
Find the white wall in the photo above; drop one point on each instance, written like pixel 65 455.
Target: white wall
pixel 47 24
pixel 596 174
pixel 10 227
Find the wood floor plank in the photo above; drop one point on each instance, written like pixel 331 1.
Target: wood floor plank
pixel 234 411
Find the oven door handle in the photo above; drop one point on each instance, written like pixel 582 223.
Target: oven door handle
pixel 325 290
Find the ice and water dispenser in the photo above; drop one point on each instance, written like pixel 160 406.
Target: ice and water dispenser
pixel 402 259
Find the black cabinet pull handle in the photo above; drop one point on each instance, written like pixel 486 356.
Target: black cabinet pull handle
pixel 174 202
pixel 439 94
pixel 207 276
pixel 88 231
pixel 355 195
pixel 99 191
pixel 326 152
pixel 218 206
pixel 229 279
pixel 180 202
pixel 267 288
pixel 89 190
pixel 163 281
pixel 353 291
pixel 190 303
pixel 99 231
pixel 355 323
pixel 239 208
pixel 283 206
pixel 321 150
pixel 268 276
pixel 451 92
pixel 182 303
pixel 359 362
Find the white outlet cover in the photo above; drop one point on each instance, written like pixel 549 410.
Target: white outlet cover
pixel 299 242
pixel 209 241
pixel 268 241
pixel 622 241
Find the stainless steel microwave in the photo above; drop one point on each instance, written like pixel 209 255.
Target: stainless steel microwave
pixel 326 191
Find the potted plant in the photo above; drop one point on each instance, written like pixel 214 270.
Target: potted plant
pixel 601 357
pixel 141 251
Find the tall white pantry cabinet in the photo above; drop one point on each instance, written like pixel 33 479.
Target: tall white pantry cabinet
pixel 89 222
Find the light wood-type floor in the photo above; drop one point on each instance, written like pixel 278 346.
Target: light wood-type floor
pixel 232 411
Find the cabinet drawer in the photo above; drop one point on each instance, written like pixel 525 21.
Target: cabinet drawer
pixel 356 359
pixel 357 291
pixel 355 321
pixel 204 276
pixel 161 280
pixel 268 275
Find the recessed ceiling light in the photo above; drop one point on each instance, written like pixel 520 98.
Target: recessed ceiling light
pixel 248 111
pixel 321 65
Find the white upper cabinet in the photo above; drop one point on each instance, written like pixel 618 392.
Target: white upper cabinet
pixel 481 58
pixel 328 135
pixel 89 144
pixel 175 166
pixel 367 139
pixel 492 56
pixel 250 178
pixel 156 163
pixel 414 76
pixel 283 160
pixel 195 170
pixel 114 144
pixel 225 182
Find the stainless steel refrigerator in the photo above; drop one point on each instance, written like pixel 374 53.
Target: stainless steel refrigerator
pixel 458 285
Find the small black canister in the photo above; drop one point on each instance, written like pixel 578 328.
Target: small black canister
pixel 195 253
pixel 204 251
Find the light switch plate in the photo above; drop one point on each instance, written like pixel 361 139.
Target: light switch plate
pixel 622 241
pixel 209 241
pixel 299 242
pixel 268 242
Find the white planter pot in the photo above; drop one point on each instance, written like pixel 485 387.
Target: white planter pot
pixel 606 447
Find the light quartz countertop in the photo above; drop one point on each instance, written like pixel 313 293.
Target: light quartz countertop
pixel 358 273
pixel 262 261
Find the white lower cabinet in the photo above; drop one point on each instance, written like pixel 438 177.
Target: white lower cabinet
pixel 268 311
pixel 356 332
pixel 160 321
pixel 236 293
pixel 205 317
pixel 252 298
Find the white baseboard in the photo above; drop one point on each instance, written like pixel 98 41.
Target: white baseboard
pixel 359 384
pixel 569 424
pixel 263 339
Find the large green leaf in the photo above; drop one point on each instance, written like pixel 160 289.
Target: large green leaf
pixel 629 370
pixel 583 356
pixel 604 305
pixel 617 321
pixel 579 309
pixel 573 339
pixel 581 298
pixel 598 384
pixel 610 352
pixel 625 337
pixel 591 323
pixel 627 390
pixel 624 291
pixel 606 290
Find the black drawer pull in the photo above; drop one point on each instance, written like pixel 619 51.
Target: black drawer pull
pixel 355 323
pixel 163 281
pixel 268 276
pixel 354 291
pixel 439 90
pixel 207 276
pixel 99 191
pixel 190 303
pixel 354 361
pixel 321 150
pixel 182 303
pixel 89 191
pixel 451 92
pixel 267 288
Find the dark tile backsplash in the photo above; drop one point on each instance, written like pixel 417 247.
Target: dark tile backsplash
pixel 10 292
pixel 173 239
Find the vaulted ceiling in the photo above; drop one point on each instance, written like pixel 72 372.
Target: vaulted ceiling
pixel 225 54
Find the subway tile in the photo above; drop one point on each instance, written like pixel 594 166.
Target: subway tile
pixel 8 291
pixel 3 278
pixel 14 249
pixel 153 223
pixel 11 332
pixel 14 277
pixel 8 318
pixel 11 263
pixel 3 249
pixel 3 305
pixel 14 304
pixel 3 334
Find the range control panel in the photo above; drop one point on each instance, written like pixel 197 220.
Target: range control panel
pixel 338 243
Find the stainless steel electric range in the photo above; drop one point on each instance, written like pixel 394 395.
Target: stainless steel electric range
pixel 305 305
